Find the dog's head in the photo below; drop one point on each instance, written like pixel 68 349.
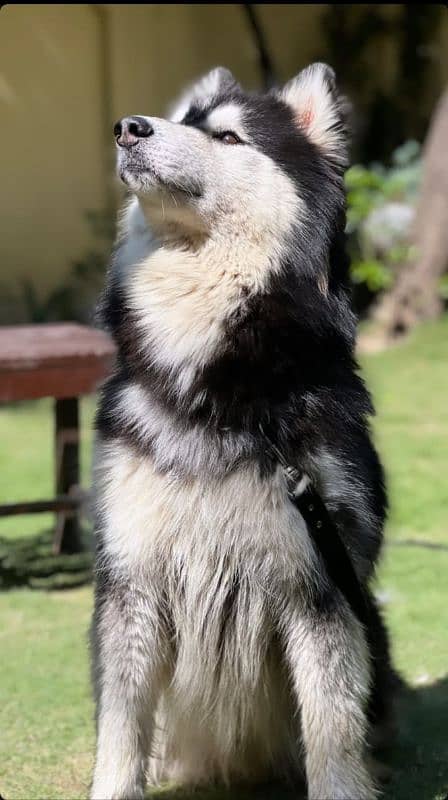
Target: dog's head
pixel 231 160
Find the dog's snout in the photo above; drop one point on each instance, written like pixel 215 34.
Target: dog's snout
pixel 129 130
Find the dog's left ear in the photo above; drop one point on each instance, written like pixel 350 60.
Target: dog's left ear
pixel 217 81
pixel 319 110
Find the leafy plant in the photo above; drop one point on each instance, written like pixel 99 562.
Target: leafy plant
pixel 380 204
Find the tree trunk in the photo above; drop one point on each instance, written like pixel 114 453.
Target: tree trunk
pixel 415 297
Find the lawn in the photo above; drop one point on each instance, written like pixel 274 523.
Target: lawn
pixel 46 726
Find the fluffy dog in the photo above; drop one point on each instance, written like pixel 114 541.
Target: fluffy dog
pixel 222 649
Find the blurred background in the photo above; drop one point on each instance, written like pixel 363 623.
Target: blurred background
pixel 67 72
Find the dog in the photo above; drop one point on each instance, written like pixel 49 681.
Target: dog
pixel 222 649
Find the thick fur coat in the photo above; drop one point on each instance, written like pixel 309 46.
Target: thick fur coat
pixel 221 648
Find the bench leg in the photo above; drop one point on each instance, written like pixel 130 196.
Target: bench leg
pixel 67 535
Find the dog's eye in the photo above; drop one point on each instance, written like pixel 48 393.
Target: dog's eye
pixel 227 137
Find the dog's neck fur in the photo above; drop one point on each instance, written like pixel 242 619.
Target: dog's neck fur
pixel 230 239
pixel 182 284
pixel 181 289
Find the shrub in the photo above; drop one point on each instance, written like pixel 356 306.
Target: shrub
pixel 380 209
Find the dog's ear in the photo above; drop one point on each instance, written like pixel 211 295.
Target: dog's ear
pixel 319 110
pixel 215 82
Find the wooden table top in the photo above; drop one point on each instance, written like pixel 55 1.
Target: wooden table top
pixel 52 360
pixel 50 343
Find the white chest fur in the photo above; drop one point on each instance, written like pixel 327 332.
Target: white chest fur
pixel 151 517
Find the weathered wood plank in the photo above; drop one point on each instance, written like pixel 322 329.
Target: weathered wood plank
pixel 33 346
pixel 52 360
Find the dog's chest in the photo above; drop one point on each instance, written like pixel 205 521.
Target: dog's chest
pixel 152 520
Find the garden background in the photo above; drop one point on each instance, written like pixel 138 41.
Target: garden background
pixel 60 64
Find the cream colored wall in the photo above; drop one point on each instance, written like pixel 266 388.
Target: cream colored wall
pixel 50 126
pixel 157 48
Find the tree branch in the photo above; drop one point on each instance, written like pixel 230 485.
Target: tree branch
pixel 265 61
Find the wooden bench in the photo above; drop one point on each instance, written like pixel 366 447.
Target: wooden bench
pixel 62 361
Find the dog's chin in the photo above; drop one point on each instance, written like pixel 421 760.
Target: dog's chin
pixel 139 180
pixel 145 181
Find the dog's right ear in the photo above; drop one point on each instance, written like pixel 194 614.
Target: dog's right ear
pixel 215 82
pixel 319 110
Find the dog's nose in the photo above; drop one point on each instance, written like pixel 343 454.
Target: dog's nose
pixel 129 130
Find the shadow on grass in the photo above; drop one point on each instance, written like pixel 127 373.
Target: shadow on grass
pixel 420 756
pixel 419 759
pixel 30 561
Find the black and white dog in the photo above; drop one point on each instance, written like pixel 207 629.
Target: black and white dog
pixel 222 648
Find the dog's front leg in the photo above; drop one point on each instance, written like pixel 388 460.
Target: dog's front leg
pixel 128 662
pixel 329 664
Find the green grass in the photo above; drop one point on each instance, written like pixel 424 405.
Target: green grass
pixel 26 459
pixel 46 730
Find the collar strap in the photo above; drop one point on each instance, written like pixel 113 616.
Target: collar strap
pixel 324 534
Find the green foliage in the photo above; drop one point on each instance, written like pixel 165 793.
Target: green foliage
pixel 373 273
pixel 372 188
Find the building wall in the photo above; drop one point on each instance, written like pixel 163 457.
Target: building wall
pixel 157 48
pixel 68 71
pixel 50 112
